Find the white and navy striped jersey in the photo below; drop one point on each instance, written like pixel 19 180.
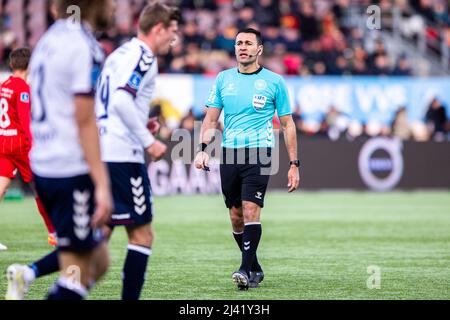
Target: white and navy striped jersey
pixel 125 90
pixel 66 63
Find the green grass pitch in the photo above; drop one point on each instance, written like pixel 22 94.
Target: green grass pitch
pixel 315 245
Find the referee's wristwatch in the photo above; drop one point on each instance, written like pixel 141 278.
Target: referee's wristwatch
pixel 295 163
pixel 201 147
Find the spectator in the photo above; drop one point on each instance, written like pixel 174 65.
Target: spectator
pixel 382 67
pixel 268 13
pixel 402 68
pixel 336 123
pixel 309 25
pixel 400 126
pixel 436 119
pixel 188 121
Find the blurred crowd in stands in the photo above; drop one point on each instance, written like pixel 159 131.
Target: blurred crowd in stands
pixel 301 37
pixel 334 125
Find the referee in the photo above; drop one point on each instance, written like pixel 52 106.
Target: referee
pixel 249 95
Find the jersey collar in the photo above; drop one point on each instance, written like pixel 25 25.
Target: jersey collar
pixel 249 74
pixel 143 44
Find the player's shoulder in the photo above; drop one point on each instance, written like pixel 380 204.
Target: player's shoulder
pixel 20 83
pixel 228 72
pixel 132 53
pixel 16 84
pixel 71 38
pixel 5 83
pixel 272 76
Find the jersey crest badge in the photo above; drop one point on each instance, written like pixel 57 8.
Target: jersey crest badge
pixel 24 97
pixel 135 81
pixel 260 84
pixel 259 101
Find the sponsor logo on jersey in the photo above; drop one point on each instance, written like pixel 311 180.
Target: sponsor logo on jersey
pixel 259 101
pixel 230 89
pixel 24 97
pixel 135 80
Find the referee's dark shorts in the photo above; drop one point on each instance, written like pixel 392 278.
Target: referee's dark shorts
pixel 245 174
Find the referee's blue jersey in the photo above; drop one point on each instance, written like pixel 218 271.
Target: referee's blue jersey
pixel 249 102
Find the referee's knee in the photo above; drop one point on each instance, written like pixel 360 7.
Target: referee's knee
pixel 251 211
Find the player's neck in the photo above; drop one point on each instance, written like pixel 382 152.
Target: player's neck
pixel 20 74
pixel 251 68
pixel 147 42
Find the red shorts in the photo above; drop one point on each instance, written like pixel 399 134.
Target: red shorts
pixel 10 164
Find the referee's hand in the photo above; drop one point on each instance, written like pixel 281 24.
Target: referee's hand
pixel 293 179
pixel 201 160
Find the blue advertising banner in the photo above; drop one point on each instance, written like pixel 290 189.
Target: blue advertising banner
pixel 360 98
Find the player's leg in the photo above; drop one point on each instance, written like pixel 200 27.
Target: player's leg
pixel 99 269
pixel 254 186
pixel 231 183
pixel 72 205
pixel 134 269
pixel 4 184
pixel 21 277
pixel 7 173
pixel 99 264
pixel 133 209
pixel 74 278
pixel 237 222
pixel 22 163
pixel 78 270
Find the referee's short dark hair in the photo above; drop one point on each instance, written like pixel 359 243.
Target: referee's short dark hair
pixel 19 59
pixel 254 31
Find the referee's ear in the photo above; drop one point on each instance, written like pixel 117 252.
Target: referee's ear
pixel 260 50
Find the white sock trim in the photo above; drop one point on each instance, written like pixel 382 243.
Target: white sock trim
pixel 72 285
pixel 140 249
pixel 252 223
pixel 238 232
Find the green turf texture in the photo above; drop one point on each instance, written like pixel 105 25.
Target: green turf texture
pixel 315 245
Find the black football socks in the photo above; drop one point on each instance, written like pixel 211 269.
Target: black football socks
pixel 134 271
pixel 250 240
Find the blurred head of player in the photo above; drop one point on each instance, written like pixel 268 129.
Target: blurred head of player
pixel 158 27
pixel 98 13
pixel 19 60
pixel 248 46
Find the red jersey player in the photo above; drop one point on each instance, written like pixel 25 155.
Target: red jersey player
pixel 15 135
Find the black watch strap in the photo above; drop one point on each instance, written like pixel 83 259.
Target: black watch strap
pixel 201 147
pixel 295 163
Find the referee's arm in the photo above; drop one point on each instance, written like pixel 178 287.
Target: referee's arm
pixel 206 133
pixel 290 138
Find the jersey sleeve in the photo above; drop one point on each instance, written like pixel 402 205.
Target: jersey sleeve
pixel 83 74
pixel 23 103
pixel 282 102
pixel 132 79
pixel 215 98
pixel 130 117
